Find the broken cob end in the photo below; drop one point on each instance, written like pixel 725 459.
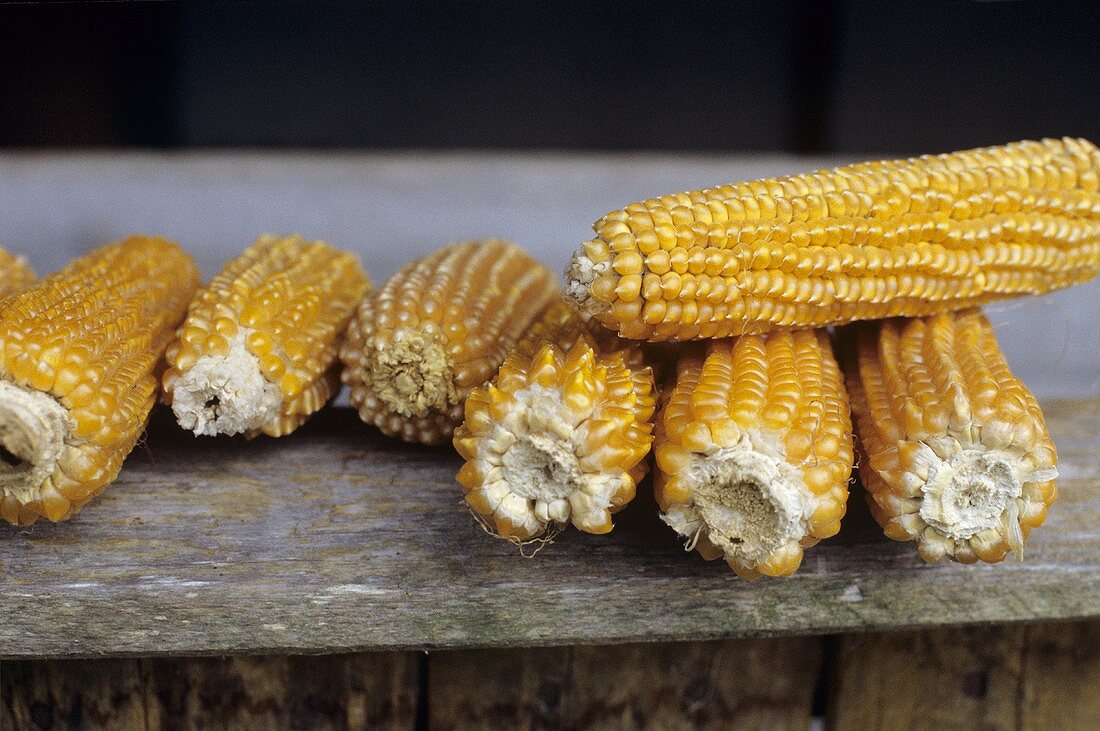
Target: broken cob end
pixel 972 496
pixel 413 375
pixel 580 276
pixel 33 431
pixel 747 506
pixel 224 394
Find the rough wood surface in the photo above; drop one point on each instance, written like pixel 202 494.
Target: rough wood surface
pixel 745 684
pixel 335 539
pixel 1017 677
pixel 355 691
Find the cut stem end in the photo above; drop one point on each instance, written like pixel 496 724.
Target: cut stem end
pixel 33 430
pixel 414 375
pixel 225 394
pixel 749 504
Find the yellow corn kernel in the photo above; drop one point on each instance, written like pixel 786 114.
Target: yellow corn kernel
pixel 258 350
pixel 438 328
pixel 561 434
pixel 79 353
pixel 16 274
pixel 867 241
pixel 754 449
pixel 956 454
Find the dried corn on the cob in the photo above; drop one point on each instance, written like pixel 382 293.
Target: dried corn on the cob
pixel 561 434
pixel 879 239
pixel 956 451
pixel 78 356
pixel 15 274
pixel 438 328
pixel 257 352
pixel 754 449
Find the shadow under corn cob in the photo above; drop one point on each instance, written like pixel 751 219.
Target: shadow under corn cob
pixel 867 241
pixel 258 350
pixel 79 355
pixel 956 453
pixel 437 329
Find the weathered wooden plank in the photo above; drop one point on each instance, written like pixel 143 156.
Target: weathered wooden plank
pixel 950 678
pixel 36 694
pixel 1060 672
pixel 335 539
pixel 1023 677
pixel 354 691
pixel 745 684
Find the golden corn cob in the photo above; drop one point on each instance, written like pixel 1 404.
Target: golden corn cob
pixel 79 355
pixel 879 239
pixel 754 449
pixel 438 328
pixel 956 453
pixel 258 350
pixel 561 434
pixel 15 274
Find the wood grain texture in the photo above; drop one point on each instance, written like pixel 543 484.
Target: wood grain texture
pixel 354 691
pixel 1061 677
pixel 335 539
pixel 951 678
pixel 1018 677
pixel 745 684
pixel 35 694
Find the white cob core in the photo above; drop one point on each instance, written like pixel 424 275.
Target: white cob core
pixel 225 394
pixel 33 430
pixel 969 493
pixel 746 500
pixel 540 467
pixel 579 276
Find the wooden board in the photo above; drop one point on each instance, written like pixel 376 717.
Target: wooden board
pixel 336 539
pixel 353 691
pixel 1020 677
pixel 746 684
pixel 1016 677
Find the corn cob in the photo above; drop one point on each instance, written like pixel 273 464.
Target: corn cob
pixel 754 449
pixel 15 274
pixel 438 328
pixel 78 357
pixel 879 239
pixel 561 434
pixel 956 453
pixel 258 350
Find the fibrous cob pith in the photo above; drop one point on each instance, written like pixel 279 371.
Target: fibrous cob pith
pixel 16 274
pixel 907 237
pixel 561 434
pixel 956 451
pixel 258 350
pixel 79 355
pixel 754 449
pixel 438 328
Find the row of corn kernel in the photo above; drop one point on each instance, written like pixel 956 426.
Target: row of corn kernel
pixel 256 351
pixel 874 240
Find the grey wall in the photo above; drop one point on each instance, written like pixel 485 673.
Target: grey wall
pixel 392 207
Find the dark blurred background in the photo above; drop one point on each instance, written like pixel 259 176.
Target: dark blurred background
pixel 828 76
